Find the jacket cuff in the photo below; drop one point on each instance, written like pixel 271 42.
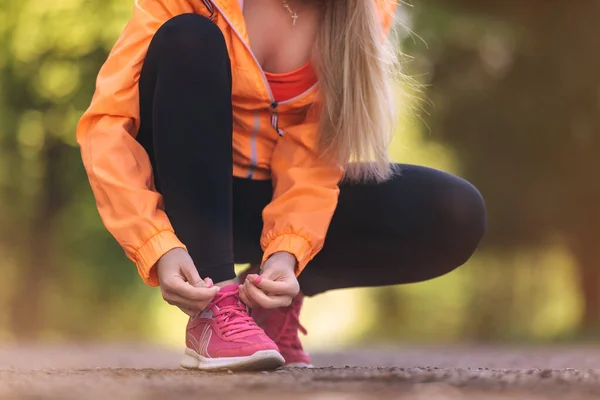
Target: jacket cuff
pixel 296 245
pixel 151 251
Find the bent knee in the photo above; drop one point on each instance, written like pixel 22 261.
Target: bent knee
pixel 464 222
pixel 190 33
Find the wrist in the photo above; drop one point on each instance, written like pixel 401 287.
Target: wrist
pixel 281 258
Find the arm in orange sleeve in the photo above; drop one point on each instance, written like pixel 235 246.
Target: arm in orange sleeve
pixel 118 167
pixel 305 195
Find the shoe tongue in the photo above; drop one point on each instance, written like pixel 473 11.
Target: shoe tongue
pixel 221 300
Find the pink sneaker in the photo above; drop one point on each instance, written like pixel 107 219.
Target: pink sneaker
pixel 282 325
pixel 224 336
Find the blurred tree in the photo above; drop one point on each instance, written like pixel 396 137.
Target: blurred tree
pixel 57 249
pixel 516 92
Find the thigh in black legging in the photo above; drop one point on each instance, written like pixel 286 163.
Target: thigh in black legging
pixel 421 224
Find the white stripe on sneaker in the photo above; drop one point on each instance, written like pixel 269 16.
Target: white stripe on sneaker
pixel 203 342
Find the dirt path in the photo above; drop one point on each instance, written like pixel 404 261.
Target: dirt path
pixel 127 372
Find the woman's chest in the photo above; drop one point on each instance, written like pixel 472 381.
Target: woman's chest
pixel 250 54
pixel 281 33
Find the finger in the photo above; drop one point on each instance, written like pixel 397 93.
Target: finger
pixel 209 282
pixel 189 292
pixel 274 287
pixel 252 303
pixel 191 274
pixel 260 298
pixel 245 299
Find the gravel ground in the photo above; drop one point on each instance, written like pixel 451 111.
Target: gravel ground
pixel 128 372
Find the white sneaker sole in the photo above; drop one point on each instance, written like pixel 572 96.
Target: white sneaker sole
pixel 299 365
pixel 260 361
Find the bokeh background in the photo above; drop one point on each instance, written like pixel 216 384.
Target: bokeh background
pixel 509 98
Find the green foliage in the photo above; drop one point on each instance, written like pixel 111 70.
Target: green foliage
pixel 68 275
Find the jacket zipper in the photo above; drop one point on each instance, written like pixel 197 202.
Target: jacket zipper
pixel 274 106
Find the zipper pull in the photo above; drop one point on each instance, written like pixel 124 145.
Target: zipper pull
pixel 275 117
pixel 274 106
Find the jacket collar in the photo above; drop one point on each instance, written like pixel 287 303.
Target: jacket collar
pixel 231 11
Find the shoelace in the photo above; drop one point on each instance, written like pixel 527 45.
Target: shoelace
pixel 233 319
pixel 288 336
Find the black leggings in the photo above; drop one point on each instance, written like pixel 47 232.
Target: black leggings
pixel 421 224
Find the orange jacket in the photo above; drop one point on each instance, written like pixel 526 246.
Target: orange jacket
pixel 120 174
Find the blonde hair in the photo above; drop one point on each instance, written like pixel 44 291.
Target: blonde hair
pixel 356 66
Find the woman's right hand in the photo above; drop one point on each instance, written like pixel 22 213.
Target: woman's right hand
pixel 181 284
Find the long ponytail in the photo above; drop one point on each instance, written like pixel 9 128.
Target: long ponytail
pixel 356 66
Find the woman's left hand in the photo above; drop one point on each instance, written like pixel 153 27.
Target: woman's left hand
pixel 275 287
